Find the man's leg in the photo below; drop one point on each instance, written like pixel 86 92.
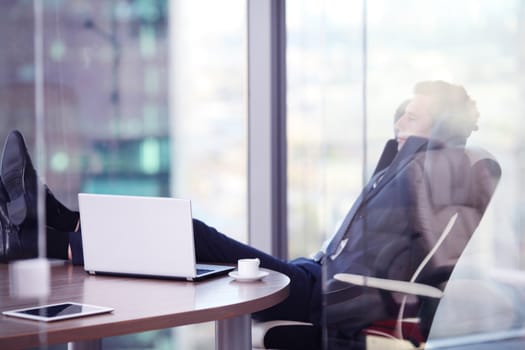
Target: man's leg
pixel 213 246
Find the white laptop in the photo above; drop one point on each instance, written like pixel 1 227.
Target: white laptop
pixel 141 236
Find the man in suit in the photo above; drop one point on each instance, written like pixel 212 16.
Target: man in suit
pixel 402 212
pixel 439 117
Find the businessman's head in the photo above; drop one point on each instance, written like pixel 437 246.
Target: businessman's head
pixel 438 110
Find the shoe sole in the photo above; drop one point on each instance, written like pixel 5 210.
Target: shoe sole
pixel 13 174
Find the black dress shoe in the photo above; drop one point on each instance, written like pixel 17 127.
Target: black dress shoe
pixel 21 182
pixel 19 178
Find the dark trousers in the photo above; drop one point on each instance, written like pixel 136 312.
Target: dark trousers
pixel 304 300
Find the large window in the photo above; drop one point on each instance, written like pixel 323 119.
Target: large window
pixel 349 67
pixel 140 97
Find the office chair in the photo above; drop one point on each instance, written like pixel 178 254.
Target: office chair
pixel 416 300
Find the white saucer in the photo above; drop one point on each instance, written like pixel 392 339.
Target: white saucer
pixel 235 275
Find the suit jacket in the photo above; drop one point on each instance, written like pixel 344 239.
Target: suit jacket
pixel 420 188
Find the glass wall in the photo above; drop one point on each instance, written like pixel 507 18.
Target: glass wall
pixel 350 64
pixel 138 98
pixel 147 97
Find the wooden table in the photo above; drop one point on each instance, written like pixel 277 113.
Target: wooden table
pixel 140 305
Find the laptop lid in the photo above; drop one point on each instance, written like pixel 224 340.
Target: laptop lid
pixel 140 236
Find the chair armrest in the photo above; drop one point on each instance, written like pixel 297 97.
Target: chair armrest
pixel 391 285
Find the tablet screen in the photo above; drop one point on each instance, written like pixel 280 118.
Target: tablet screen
pixel 57 311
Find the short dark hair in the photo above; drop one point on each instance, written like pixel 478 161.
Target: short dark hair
pixel 454 111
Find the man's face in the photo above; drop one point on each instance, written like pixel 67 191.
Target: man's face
pixel 416 121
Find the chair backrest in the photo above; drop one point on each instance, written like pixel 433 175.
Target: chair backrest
pixel 448 206
pixel 465 188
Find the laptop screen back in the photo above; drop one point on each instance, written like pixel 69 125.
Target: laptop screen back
pixel 137 235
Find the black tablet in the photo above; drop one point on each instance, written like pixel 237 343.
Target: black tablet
pixel 55 312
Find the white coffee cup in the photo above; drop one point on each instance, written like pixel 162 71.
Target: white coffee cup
pixel 248 267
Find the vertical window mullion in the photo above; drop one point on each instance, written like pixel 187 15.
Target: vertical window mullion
pixel 267 126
